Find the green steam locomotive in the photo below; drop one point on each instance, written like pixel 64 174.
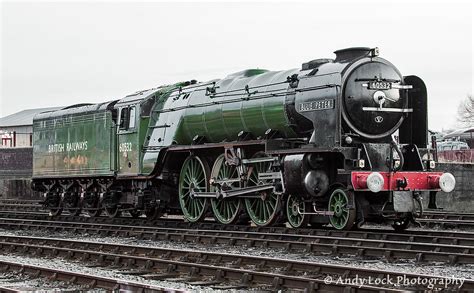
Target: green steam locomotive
pixel 307 146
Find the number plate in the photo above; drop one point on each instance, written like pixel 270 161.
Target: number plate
pixel 380 85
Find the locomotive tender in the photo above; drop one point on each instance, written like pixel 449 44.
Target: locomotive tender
pixel 307 146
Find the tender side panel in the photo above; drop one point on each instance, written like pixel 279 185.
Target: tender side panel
pixel 74 146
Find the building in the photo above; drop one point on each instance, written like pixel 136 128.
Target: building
pixel 16 130
pixel 16 153
pixel 463 134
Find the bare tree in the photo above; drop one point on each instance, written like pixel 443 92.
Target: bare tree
pixel 466 111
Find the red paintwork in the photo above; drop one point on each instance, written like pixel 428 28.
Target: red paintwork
pixel 415 180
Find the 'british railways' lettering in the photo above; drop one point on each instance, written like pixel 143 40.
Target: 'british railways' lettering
pixel 68 147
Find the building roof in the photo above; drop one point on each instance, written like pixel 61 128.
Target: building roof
pixel 463 132
pixel 24 117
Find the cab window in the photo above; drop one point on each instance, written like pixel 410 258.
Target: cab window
pixel 127 118
pixel 131 123
pixel 124 118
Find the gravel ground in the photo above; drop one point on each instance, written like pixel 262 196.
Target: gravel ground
pixel 436 269
pixel 27 283
pixel 74 266
pixel 13 281
pixel 412 227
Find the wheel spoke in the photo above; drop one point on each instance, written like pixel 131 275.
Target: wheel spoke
pixel 263 211
pixel 186 179
pixel 272 204
pixel 200 181
pixel 229 211
pixel 269 210
pixel 195 203
pixel 344 217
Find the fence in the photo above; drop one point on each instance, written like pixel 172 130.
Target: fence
pixel 459 156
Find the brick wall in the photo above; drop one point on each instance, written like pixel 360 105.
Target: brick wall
pixel 461 199
pixel 16 188
pixel 16 163
pixel 15 172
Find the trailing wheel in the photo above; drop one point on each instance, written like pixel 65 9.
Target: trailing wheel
pixel 344 216
pixel 266 209
pixel 194 177
pixel 111 205
pixel 294 206
pixel 226 210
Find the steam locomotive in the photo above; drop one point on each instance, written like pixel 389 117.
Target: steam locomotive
pixel 307 146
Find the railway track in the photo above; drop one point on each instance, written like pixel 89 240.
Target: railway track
pixel 442 215
pixel 20 201
pixel 88 281
pixel 361 245
pixel 424 246
pixel 446 223
pixel 217 270
pixel 430 218
pixel 27 208
pixel 419 235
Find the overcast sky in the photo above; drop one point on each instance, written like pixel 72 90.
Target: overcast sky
pixel 65 53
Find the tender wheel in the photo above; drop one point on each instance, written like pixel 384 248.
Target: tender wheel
pixel 226 211
pixel 344 217
pixel 266 209
pixel 112 211
pixel 71 203
pixel 194 176
pixel 294 205
pixel 91 204
pixel 54 203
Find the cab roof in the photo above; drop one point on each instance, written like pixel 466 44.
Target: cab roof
pixel 75 109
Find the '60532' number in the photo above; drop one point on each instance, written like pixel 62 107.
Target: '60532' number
pixel 380 85
pixel 125 147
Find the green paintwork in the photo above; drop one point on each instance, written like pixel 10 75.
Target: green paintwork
pixel 165 116
pixel 180 115
pixel 130 155
pixel 129 146
pixel 233 110
pixel 74 143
